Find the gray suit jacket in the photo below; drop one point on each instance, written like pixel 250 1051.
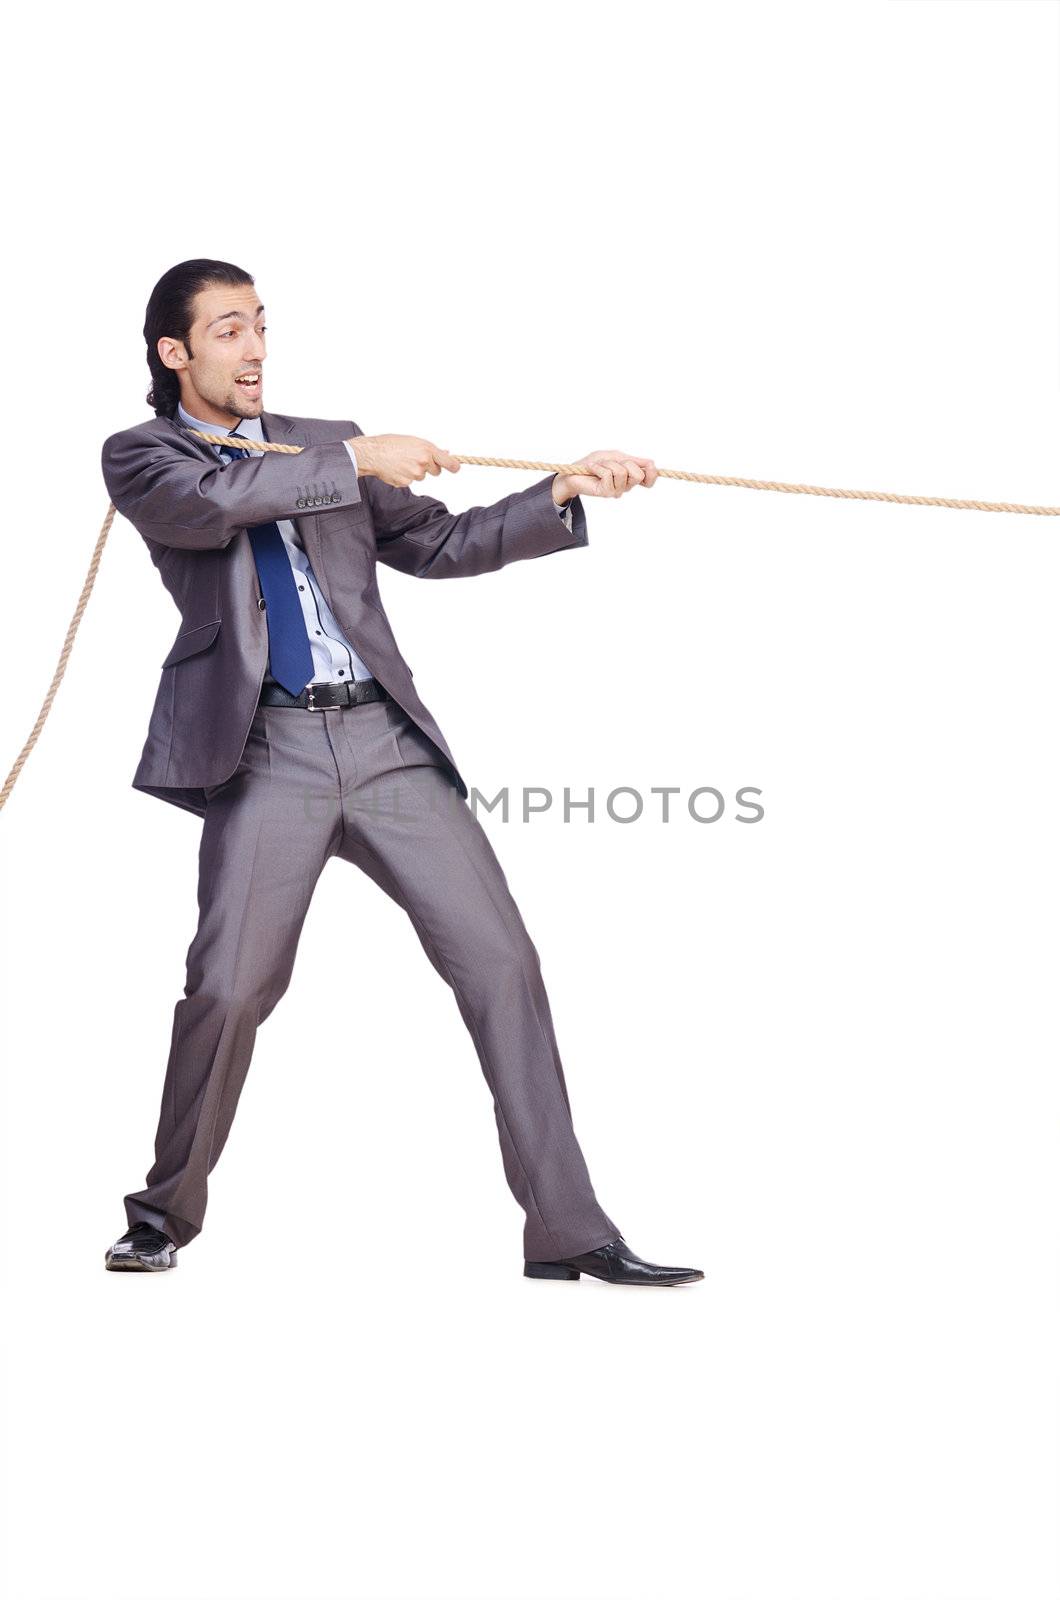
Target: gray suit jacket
pixel 193 515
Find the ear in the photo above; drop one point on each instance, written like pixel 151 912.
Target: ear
pixel 172 354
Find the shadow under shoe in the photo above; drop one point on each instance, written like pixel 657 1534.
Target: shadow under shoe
pixel 613 1263
pixel 141 1249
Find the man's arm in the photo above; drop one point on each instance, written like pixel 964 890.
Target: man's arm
pixel 419 535
pixel 181 500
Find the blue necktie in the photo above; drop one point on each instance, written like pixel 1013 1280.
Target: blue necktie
pixel 290 658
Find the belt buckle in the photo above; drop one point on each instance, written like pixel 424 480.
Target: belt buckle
pixel 309 704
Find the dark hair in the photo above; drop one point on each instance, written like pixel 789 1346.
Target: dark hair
pixel 169 316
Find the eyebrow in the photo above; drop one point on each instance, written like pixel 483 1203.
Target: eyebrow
pixel 241 314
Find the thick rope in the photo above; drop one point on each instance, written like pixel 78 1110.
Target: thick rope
pixel 497 461
pixel 691 477
pixel 64 656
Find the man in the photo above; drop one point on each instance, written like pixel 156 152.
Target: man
pixel 287 719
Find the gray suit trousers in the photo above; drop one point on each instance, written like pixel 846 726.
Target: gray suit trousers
pixel 363 783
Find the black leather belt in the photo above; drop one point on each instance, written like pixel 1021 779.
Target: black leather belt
pixel 319 696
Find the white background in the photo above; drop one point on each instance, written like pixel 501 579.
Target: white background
pixel 816 1056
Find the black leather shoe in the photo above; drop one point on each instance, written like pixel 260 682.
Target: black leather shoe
pixel 613 1263
pixel 142 1249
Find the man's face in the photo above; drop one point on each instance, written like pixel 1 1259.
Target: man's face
pixel 227 345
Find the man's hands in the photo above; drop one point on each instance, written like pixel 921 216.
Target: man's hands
pixel 400 458
pixel 609 473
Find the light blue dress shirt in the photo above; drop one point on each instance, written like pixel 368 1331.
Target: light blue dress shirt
pixel 334 658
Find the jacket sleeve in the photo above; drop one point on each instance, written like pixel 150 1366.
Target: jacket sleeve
pixel 180 500
pixel 418 534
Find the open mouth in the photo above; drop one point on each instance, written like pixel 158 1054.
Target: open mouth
pixel 251 382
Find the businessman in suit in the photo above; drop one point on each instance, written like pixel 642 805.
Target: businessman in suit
pixel 287 719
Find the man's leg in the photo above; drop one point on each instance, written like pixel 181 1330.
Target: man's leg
pixel 259 860
pixel 406 826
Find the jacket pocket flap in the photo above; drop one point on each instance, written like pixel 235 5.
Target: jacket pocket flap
pixel 192 640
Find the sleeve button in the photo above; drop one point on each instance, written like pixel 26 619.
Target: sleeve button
pixel 261 605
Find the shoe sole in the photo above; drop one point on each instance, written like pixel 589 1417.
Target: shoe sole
pixel 553 1272
pixel 130 1264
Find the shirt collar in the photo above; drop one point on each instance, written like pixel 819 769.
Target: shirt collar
pixel 249 427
